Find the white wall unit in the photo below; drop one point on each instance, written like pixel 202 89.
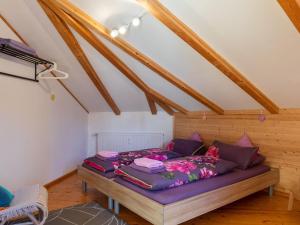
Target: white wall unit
pixel 128 141
pixel 40 139
pixel 129 122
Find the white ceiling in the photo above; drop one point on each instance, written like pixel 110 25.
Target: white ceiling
pixel 254 35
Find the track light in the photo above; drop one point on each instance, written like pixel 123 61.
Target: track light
pixel 123 30
pixel 136 22
pixel 114 33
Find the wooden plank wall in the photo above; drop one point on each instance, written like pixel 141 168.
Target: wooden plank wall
pixel 278 137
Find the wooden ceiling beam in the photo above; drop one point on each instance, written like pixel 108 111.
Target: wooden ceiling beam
pixel 53 74
pixel 151 104
pixel 292 9
pixel 191 38
pixel 91 38
pixel 126 47
pixel 166 108
pixel 76 49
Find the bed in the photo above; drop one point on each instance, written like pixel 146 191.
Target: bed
pixel 125 158
pixel 165 212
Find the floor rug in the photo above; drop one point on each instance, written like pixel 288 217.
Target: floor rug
pixel 84 214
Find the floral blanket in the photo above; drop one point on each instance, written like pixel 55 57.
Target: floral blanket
pixel 178 172
pixel 126 158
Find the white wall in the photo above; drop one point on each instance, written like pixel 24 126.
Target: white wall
pixel 129 122
pixel 40 139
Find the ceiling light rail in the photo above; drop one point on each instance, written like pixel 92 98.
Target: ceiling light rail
pixel 123 29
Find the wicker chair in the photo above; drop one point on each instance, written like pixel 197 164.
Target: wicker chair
pixel 28 207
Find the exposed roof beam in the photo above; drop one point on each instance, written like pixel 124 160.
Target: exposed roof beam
pixel 191 38
pixel 109 55
pixel 125 46
pixel 292 9
pixel 53 74
pixel 13 30
pixel 151 104
pixel 74 46
pixel 166 108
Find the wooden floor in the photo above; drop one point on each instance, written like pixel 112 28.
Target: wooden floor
pixel 258 209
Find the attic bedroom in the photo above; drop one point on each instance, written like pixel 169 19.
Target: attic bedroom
pixel 147 112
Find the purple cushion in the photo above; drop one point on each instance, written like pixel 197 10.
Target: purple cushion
pixel 259 159
pixel 196 137
pixel 240 155
pixel 186 147
pixel 244 141
pixel 225 166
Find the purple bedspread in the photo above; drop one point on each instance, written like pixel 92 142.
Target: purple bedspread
pixel 126 158
pixel 178 172
pixel 188 190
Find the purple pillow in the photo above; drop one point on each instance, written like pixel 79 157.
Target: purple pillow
pixel 259 159
pixel 196 137
pixel 225 166
pixel 244 141
pixel 240 155
pixel 186 147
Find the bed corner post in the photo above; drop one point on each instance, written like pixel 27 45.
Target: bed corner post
pixel 110 203
pixel 271 191
pixel 117 207
pixel 84 186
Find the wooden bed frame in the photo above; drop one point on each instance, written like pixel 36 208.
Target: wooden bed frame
pixel 181 211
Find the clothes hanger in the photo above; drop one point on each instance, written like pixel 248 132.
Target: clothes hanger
pixel 53 68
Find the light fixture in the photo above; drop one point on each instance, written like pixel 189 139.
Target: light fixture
pixel 136 21
pixel 123 30
pixel 114 33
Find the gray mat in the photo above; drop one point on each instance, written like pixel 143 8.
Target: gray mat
pixel 84 214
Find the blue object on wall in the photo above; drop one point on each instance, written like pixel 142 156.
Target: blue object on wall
pixel 5 197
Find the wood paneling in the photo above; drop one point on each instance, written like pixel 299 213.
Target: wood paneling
pixel 84 18
pixel 78 52
pixel 278 138
pixel 292 9
pixel 192 39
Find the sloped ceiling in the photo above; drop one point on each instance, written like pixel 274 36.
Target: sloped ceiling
pixel 253 35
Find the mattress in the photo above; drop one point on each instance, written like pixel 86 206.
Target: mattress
pixel 108 175
pixel 189 190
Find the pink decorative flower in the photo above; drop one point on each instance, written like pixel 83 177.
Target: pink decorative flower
pixel 170 146
pixel 177 183
pixel 157 157
pixel 182 166
pixel 213 152
pixel 206 173
pixel 116 164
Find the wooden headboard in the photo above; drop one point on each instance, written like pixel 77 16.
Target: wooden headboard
pixel 278 137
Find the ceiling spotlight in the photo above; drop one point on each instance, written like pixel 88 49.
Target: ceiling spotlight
pixel 136 22
pixel 123 30
pixel 114 33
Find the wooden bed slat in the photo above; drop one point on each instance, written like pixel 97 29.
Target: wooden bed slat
pixel 183 210
pixel 206 202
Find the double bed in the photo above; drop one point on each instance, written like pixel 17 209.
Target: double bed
pixel 177 205
pixel 180 202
